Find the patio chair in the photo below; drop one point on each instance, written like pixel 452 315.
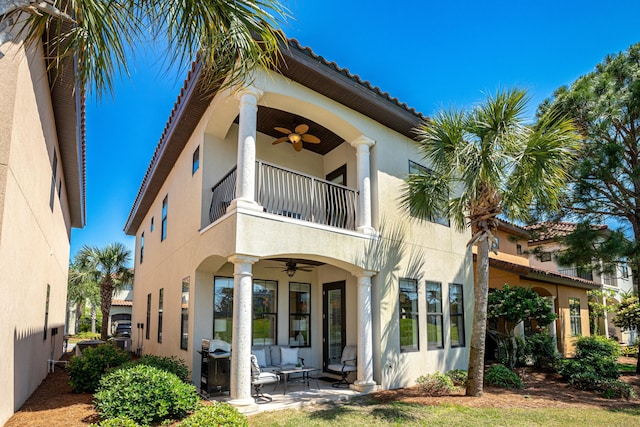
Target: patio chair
pixel 346 366
pixel 259 379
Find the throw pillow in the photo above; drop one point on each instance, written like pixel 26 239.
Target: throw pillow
pixel 261 356
pixel 289 356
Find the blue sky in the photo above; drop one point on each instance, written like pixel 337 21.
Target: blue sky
pixel 429 54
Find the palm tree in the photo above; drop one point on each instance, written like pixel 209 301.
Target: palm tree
pixel 109 267
pixel 486 163
pixel 82 287
pixel 229 37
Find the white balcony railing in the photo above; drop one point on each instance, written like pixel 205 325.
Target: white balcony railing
pixel 292 194
pixel 577 272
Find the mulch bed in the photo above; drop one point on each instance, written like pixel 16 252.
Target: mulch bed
pixel 54 405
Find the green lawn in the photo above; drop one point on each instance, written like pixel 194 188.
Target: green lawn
pixel 367 413
pixel 626 367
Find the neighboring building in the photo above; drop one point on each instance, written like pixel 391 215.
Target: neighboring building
pixel 227 217
pixel 567 294
pixel 42 194
pixel 545 246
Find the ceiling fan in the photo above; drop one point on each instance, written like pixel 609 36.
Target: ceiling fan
pixel 291 267
pixel 297 136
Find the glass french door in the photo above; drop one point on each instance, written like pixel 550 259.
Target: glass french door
pixel 333 315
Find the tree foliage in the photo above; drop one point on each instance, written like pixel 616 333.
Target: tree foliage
pixel 109 267
pixel 229 37
pixel 628 316
pixel 605 105
pixel 514 304
pixel 487 162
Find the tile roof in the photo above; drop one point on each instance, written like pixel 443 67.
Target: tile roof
pixel 121 303
pixel 549 230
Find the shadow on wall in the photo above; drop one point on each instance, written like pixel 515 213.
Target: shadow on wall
pixel 385 255
pixel 31 352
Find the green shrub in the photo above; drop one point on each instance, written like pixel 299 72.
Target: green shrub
pixel 503 377
pixel 436 384
pixel 541 349
pixel 116 422
pixel 597 347
pixel 145 394
pixel 615 389
pixel 217 414
pixel 458 377
pixel 169 364
pixel 85 371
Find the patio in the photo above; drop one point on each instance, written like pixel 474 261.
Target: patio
pixel 298 395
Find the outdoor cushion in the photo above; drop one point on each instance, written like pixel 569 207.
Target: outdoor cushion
pixel 255 369
pixel 289 356
pixel 276 359
pixel 261 357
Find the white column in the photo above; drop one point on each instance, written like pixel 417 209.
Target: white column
pixel 362 144
pixel 604 315
pixel 241 341
pixel 246 172
pixel 551 300
pixel 364 380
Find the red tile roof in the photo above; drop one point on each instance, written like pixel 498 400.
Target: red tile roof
pixel 549 230
pixel 121 303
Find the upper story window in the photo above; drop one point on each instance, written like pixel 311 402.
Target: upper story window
pixel 416 168
pixel 165 207
pixel 141 247
pixel 54 178
pixel 195 164
pixel 545 256
pixel 519 249
pixel 152 224
pixel 408 303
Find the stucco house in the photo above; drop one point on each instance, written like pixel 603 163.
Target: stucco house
pixel 545 246
pixel 511 263
pixel 269 215
pixel 42 196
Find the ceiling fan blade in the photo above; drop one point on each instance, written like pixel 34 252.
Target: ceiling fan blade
pixel 297 146
pixel 279 140
pixel 300 129
pixel 283 130
pixel 303 269
pixel 310 138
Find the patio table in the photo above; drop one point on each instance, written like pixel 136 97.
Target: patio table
pixel 306 375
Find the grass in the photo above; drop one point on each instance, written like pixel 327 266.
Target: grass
pixel 626 367
pixel 368 413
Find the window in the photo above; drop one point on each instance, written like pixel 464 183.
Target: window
pixel 574 316
pixel 160 303
pixel 456 314
pixel 165 205
pixel 625 271
pixel 408 315
pixel 495 245
pixel 141 247
pixel 222 308
pixel 46 312
pixel 519 249
pixel 299 314
pixel 415 168
pixel 195 161
pixel 435 336
pixel 545 256
pixel 184 320
pixel 147 336
pixel 152 224
pixel 265 312
pixel 54 178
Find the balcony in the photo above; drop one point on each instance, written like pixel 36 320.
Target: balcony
pixel 291 194
pixel 577 272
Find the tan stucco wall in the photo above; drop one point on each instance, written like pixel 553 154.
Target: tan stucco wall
pixel 198 251
pixel 34 242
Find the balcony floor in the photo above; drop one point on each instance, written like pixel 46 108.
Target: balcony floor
pixel 298 395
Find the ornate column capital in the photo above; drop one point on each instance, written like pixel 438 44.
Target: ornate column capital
pixel 242 259
pixel 248 90
pixel 362 140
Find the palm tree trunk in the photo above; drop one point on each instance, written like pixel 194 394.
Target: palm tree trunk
pixel 93 318
pixel 478 334
pixel 106 294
